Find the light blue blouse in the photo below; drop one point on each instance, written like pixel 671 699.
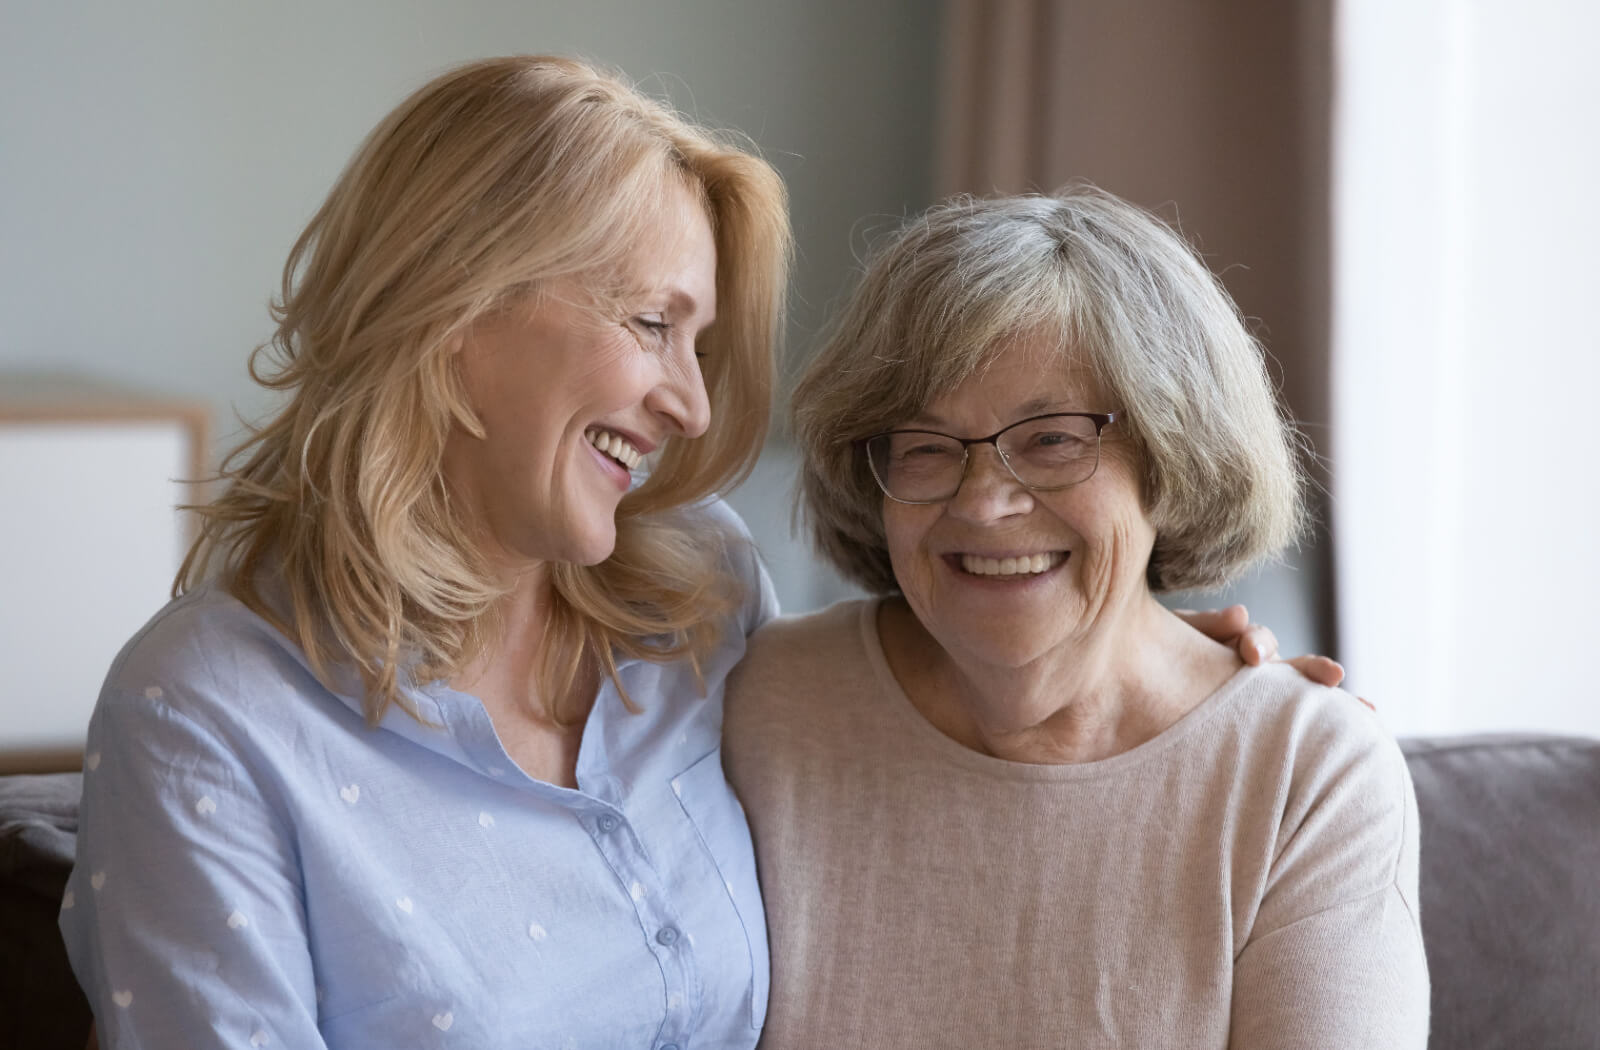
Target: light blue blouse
pixel 258 868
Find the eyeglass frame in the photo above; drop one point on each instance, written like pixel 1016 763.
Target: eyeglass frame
pixel 1101 420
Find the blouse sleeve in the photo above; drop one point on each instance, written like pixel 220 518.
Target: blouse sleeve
pixel 183 917
pixel 759 602
pixel 1335 959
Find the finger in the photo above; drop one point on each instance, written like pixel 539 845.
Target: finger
pixel 1257 644
pixel 1220 625
pixel 1320 670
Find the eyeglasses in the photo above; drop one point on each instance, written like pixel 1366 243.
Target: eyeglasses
pixel 1045 453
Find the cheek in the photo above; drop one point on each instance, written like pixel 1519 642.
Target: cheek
pixel 1121 546
pixel 899 535
pixel 905 531
pixel 1111 517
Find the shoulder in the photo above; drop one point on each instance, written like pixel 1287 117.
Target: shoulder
pixel 1318 726
pixel 205 658
pixel 715 521
pixel 804 662
pixel 205 701
pixel 807 641
pixel 1334 801
pixel 800 686
pixel 718 513
pixel 1339 777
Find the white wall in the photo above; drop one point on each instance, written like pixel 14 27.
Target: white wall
pixel 157 159
pixel 1467 361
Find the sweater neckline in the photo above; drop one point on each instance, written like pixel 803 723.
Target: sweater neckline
pixel 929 736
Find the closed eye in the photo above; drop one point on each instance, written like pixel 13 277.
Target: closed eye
pixel 925 450
pixel 652 332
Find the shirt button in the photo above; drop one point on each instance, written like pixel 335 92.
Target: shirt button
pixel 667 935
pixel 608 823
pixel 669 1046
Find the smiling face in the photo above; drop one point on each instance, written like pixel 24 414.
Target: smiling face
pixel 1000 575
pixel 571 395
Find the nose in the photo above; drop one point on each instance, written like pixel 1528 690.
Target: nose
pixel 989 491
pixel 680 397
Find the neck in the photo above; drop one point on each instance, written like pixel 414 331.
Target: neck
pixel 542 735
pixel 1122 682
pixel 504 675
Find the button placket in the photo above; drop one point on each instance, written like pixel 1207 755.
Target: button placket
pixel 625 854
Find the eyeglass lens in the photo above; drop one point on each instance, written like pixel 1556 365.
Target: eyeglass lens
pixel 1046 453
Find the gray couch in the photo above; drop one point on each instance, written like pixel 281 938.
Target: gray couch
pixel 1510 896
pixel 1511 890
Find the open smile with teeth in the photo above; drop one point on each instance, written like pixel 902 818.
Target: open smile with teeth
pixel 616 446
pixel 1026 565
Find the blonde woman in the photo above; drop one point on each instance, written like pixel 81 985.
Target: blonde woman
pixel 426 751
pixel 335 794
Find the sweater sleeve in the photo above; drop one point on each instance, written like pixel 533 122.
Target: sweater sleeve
pixel 183 917
pixel 1335 957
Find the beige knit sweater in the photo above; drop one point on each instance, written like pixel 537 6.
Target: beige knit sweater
pixel 1246 879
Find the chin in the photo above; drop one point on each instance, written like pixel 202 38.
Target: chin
pixel 596 552
pixel 1009 649
pixel 588 544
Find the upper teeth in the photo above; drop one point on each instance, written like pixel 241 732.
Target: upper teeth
pixel 615 446
pixel 1027 564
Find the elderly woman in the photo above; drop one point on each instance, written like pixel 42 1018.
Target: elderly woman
pixel 1012 800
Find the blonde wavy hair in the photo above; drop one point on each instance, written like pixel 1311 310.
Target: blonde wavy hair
pixel 1114 290
pixel 486 185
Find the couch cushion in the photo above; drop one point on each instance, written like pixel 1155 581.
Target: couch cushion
pixel 1510 895
pixel 40 1004
pixel 1510 831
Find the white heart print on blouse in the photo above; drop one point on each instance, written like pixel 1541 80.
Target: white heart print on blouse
pixel 443 1021
pixel 351 793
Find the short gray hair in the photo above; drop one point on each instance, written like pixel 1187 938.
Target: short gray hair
pixel 1120 293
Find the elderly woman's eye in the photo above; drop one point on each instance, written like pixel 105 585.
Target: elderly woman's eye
pixel 931 450
pixel 1057 446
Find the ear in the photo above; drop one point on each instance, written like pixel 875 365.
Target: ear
pixel 447 382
